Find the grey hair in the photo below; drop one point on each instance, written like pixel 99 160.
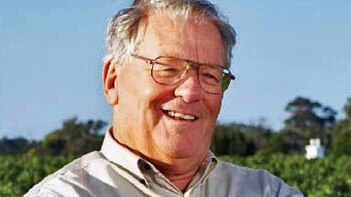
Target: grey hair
pixel 125 31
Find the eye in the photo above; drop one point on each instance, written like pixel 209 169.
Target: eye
pixel 165 68
pixel 210 74
pixel 210 79
pixel 165 71
pixel 169 69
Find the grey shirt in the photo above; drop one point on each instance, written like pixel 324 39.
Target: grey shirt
pixel 116 171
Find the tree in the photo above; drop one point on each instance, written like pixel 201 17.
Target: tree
pixel 74 137
pixel 342 133
pixel 239 139
pixel 308 119
pixel 15 146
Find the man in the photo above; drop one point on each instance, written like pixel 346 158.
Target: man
pixel 164 75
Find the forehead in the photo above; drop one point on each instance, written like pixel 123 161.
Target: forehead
pixel 187 38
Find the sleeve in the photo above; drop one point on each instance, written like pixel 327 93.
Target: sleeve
pixel 284 190
pixel 54 186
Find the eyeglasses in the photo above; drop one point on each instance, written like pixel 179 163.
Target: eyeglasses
pixel 213 79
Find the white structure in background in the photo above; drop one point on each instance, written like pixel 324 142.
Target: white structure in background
pixel 314 149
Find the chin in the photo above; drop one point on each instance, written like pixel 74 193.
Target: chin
pixel 182 150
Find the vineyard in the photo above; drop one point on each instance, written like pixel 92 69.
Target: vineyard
pixel 18 173
pixel 330 176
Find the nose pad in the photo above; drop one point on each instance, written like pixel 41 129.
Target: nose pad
pixel 189 88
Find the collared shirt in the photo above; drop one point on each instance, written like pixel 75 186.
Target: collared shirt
pixel 116 171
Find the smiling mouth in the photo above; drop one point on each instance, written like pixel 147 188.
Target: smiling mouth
pixel 179 116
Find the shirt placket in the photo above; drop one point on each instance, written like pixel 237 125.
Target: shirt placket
pixel 157 182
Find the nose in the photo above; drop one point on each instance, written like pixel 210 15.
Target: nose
pixel 189 89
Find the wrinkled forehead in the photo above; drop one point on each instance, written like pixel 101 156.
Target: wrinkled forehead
pixel 182 37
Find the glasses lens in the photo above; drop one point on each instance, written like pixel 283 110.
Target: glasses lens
pixel 225 82
pixel 210 78
pixel 168 71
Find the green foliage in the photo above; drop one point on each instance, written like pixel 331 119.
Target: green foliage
pixel 308 119
pixel 315 178
pixel 342 139
pixel 14 146
pixel 18 173
pixel 73 138
pixel 239 139
pixel 342 133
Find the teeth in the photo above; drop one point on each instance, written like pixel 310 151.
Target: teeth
pixel 180 115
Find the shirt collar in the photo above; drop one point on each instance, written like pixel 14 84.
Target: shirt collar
pixel 125 158
pixel 120 155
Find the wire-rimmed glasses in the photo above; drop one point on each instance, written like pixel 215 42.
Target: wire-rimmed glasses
pixel 213 79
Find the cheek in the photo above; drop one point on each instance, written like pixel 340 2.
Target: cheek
pixel 134 85
pixel 214 105
pixel 143 97
pixel 133 93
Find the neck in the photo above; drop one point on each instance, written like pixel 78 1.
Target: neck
pixel 181 181
pixel 178 169
pixel 180 172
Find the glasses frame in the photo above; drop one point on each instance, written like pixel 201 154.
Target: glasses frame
pixel 191 65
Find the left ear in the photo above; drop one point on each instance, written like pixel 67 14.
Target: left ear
pixel 109 81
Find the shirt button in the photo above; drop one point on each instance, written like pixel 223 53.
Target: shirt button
pixel 147 166
pixel 142 181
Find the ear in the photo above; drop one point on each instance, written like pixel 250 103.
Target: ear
pixel 109 81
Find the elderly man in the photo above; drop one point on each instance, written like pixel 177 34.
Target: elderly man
pixel 164 75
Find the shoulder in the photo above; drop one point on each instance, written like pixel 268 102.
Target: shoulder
pixel 243 173
pixel 67 179
pixel 252 181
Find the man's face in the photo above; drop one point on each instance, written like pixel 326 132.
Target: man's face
pixel 142 120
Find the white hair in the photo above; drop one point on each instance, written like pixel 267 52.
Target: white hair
pixel 125 29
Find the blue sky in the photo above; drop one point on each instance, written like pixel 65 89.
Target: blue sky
pixel 51 52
